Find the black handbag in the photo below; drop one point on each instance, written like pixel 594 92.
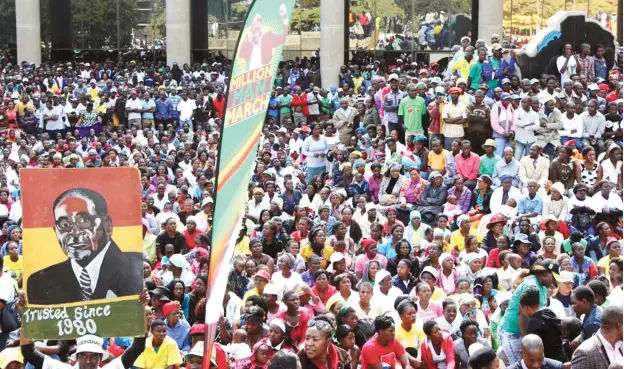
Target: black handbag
pixel 11 318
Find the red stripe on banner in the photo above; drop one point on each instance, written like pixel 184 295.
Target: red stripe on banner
pixel 226 177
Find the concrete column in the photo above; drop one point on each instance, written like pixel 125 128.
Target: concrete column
pixel 178 24
pixel 332 41
pixel 28 27
pixel 490 19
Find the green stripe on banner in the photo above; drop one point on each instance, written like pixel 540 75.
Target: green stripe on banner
pixel 258 53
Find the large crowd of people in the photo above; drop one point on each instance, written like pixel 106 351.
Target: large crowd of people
pixel 407 217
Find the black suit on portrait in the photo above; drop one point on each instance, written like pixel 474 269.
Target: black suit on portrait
pixel 121 273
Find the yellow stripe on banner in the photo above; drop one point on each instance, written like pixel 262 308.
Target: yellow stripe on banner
pixel 42 249
pixel 92 302
pixel 231 164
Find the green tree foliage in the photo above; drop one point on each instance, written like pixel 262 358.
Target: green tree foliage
pixel 95 23
pixel 156 28
pixel 7 20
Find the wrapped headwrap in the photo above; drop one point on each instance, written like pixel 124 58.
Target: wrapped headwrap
pixel 414 214
pixel 442 258
pixel 420 139
pixel 359 163
pixel 279 324
pixel 170 307
pixel 345 165
pixel 461 219
pixel 470 257
pixel 367 242
pixel 361 129
pixel 14 227
pixel 505 177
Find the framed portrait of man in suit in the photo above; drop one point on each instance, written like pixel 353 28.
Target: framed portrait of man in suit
pixel 82 252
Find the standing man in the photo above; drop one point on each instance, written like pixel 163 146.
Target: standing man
pixel 411 110
pixel 526 121
pixel 478 113
pixel 475 74
pixel 134 107
pixel 453 116
pixel 391 106
pixel 463 66
pixel 586 62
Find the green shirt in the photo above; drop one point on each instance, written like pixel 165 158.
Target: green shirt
pixel 475 74
pixel 495 63
pixel 567 245
pixel 412 111
pixel 285 100
pixel 487 164
pixel 509 323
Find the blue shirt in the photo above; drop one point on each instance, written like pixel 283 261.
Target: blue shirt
pixel 527 205
pixel 600 68
pixel 163 109
pixel 591 322
pixel 180 334
pixel 175 100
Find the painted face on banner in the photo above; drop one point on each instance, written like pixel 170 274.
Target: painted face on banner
pixel 78 228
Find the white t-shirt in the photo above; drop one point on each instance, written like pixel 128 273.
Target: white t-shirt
pixel 134 104
pixel 284 284
pixel 186 109
pixel 570 68
pixel 50 363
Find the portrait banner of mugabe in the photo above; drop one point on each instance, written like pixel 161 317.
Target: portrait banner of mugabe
pixel 82 248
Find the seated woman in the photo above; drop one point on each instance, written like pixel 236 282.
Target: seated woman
pixel 403 250
pixel 437 350
pixel 458 237
pixel 495 230
pixel 433 198
pixel 389 244
pixel 469 334
pixel 481 197
pixel 410 194
pixel 404 279
pixel 345 336
pixel 409 332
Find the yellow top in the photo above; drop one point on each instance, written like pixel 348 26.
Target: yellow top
pixel 243 246
pixel 412 337
pixel 604 263
pixel 11 266
pixel 458 241
pixel 306 252
pixel 437 161
pixel 167 355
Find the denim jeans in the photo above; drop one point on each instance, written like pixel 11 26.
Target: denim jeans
pixel 522 150
pixel 501 144
pixel 599 146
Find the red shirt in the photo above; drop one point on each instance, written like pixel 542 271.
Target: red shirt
pixel 468 168
pixel 190 238
pixel 219 106
pixel 374 353
pixel 302 101
pixel 297 333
